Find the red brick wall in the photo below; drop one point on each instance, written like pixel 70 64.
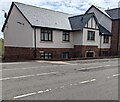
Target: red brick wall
pixel 56 52
pixel 80 50
pixel 105 49
pixel 18 53
pixel 114 40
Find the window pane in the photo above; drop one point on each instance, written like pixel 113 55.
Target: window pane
pixel 91 35
pixel 63 37
pixel 46 35
pixel 42 36
pixel 46 55
pixel 66 36
pixel 106 39
pixel 50 37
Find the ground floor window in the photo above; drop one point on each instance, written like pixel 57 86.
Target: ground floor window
pixel 65 55
pixel 90 54
pixel 46 55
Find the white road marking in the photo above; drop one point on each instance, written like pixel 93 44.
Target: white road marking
pixel 87 81
pixel 93 80
pixel 50 89
pixel 40 91
pixel 29 94
pixel 26 76
pixel 46 90
pixel 22 76
pixel 4 79
pixel 116 75
pixel 83 82
pixel 25 95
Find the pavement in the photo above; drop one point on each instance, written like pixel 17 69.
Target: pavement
pixel 60 80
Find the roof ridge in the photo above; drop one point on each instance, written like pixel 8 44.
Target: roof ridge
pixel 101 10
pixel 42 8
pixel 112 9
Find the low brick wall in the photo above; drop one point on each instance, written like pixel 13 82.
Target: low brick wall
pixel 16 53
pixel 78 52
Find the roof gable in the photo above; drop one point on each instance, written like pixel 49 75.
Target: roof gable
pixel 79 22
pixel 99 9
pixel 41 17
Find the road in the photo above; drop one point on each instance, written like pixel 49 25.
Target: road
pixel 69 80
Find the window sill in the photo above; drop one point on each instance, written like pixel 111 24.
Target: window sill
pixel 91 40
pixel 65 41
pixel 105 43
pixel 46 41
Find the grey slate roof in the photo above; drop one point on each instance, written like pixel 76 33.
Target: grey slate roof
pixel 104 31
pixel 44 17
pixel 114 13
pixel 41 17
pixel 79 22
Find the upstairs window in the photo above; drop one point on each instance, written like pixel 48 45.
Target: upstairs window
pixel 46 34
pixel 91 35
pixel 106 39
pixel 66 36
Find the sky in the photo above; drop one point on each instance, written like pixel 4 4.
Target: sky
pixel 75 7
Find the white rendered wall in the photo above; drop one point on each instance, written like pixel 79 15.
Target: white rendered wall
pixel 18 35
pixel 89 42
pixel 57 41
pixel 102 19
pixel 78 38
pixel 105 45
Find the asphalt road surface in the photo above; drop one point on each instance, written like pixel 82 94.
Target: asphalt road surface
pixel 57 80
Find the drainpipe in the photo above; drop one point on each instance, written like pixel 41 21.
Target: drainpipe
pixel 100 45
pixel 35 49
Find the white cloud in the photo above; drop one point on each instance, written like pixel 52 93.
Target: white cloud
pixel 68 6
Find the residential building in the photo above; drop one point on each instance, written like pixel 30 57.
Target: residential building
pixel 33 32
pixel 115 41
